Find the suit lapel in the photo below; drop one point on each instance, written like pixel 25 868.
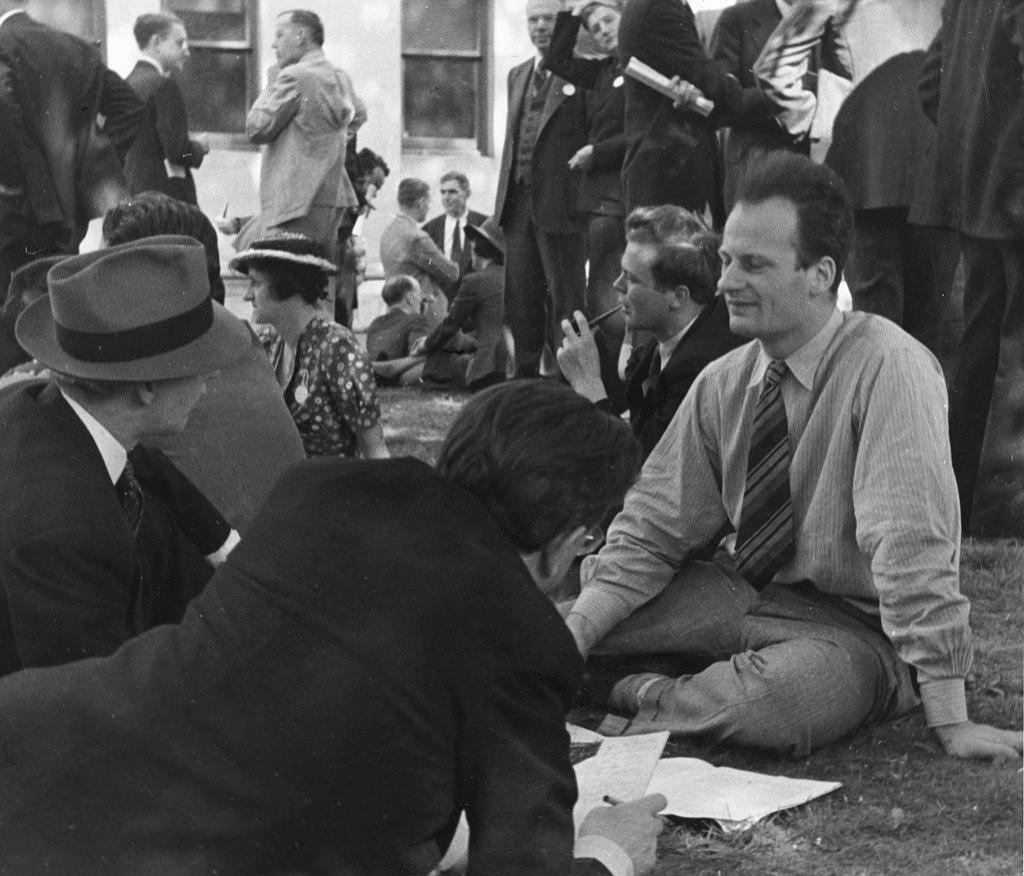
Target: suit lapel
pixel 556 97
pixel 517 90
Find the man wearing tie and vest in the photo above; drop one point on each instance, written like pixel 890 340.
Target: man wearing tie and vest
pixel 448 230
pixel 818 456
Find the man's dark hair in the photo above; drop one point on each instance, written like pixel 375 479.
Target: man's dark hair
pixel 456 176
pixel 411 190
pixel 542 459
pixel 686 249
pixel 396 288
pixel 310 21
pixel 148 214
pixel 153 24
pixel 824 214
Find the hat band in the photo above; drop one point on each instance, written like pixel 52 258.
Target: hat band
pixel 147 340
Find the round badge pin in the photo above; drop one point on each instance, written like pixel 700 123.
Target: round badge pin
pixel 568 89
pixel 618 81
pixel 301 394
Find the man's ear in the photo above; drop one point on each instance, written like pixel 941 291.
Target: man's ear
pixel 143 393
pixel 823 274
pixel 681 295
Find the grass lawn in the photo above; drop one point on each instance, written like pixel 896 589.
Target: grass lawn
pixel 904 808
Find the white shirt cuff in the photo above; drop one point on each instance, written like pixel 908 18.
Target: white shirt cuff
pixel 607 853
pixel 221 554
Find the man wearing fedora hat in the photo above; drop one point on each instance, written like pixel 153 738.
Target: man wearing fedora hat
pixel 479 305
pixel 101 538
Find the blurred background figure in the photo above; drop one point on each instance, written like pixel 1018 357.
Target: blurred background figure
pixel 448 230
pixel 327 381
pixel 971 89
pixel 61 169
pixel 394 340
pixel 600 160
pixel 163 155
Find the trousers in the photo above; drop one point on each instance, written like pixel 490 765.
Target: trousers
pixel 790 668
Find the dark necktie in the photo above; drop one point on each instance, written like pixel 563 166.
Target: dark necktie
pixel 764 541
pixel 456 255
pixel 651 380
pixel 130 492
pixel 540 79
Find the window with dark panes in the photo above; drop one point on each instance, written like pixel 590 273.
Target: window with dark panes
pixel 221 78
pixel 445 73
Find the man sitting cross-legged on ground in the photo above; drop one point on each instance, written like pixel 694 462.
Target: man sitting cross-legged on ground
pixel 823 443
pixel 667 287
pixel 377 655
pixel 394 340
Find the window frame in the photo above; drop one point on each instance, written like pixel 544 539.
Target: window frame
pixel 233 139
pixel 483 142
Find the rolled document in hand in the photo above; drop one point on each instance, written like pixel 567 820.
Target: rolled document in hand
pixel 650 77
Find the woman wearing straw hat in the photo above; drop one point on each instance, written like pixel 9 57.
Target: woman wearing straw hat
pixel 328 383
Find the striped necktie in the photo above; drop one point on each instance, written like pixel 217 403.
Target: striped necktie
pixel 764 541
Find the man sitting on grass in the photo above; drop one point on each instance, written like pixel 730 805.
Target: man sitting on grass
pixel 822 444
pixel 377 656
pixel 394 340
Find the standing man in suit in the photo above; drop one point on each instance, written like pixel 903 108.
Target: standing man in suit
pixel 971 88
pixel 69 171
pixel 303 117
pixel 670 269
pixel 448 231
pixel 535 206
pixel 670 158
pixel 162 157
pixel 739 36
pixel 405 248
pixel 279 709
pixel 100 537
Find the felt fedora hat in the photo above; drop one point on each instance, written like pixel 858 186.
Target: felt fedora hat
pixel 488 239
pixel 286 248
pixel 137 311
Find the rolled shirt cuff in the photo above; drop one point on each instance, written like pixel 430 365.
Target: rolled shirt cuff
pixel 944 701
pixel 606 852
pixel 221 554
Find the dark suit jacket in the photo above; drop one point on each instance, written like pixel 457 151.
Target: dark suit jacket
pixel 61 85
pixel 435 228
pixel 739 35
pixel 670 156
pixel 332 700
pixel 72 582
pixel 602 79
pixel 162 135
pixel 563 131
pixel 479 308
pixel 707 339
pixel 971 86
pixel 391 334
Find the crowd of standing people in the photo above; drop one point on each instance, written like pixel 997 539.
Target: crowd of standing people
pixel 235 637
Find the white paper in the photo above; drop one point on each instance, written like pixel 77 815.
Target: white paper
pixel 734 798
pixel 650 77
pixel 622 768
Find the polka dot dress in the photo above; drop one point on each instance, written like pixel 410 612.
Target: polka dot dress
pixel 332 391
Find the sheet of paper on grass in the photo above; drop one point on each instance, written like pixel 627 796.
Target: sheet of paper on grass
pixel 736 799
pixel 622 768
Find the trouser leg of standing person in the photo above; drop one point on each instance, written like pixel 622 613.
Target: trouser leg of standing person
pixel 564 257
pixel 793 668
pixel 930 257
pixel 526 285
pixel 874 271
pixel 985 300
pixel 999 491
pixel 606 240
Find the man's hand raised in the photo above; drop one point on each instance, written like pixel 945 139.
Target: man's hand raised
pixel 968 739
pixel 579 360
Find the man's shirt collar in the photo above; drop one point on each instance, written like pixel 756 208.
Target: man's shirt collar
pixel 803 363
pixel 667 348
pixel 153 62
pixel 114 455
